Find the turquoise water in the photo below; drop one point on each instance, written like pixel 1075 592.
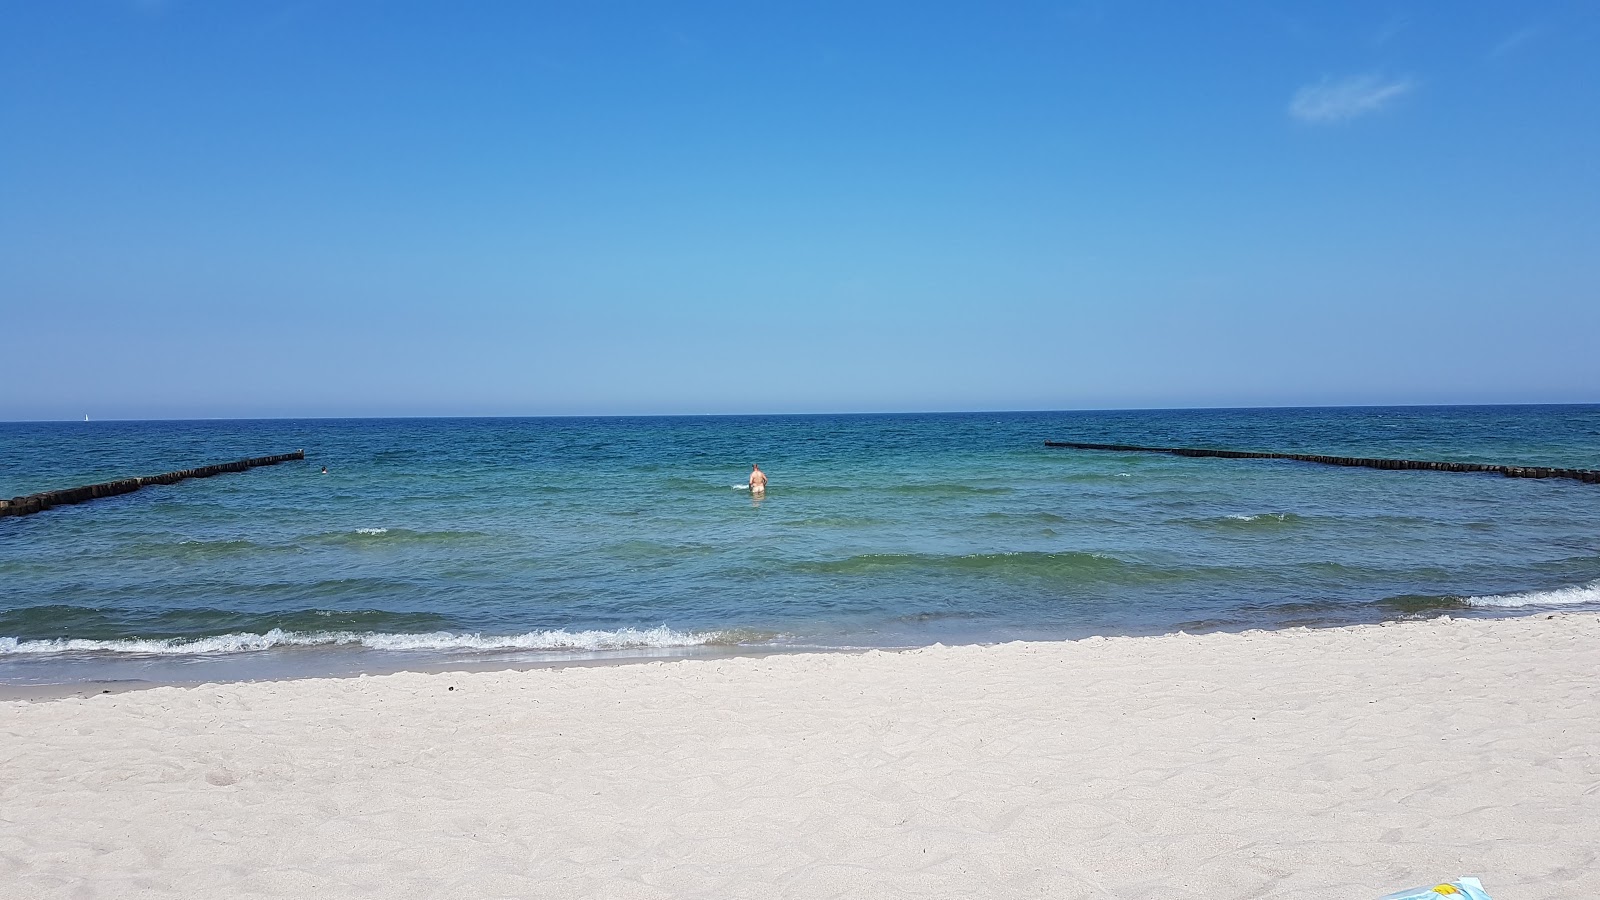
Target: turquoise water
pixel 489 541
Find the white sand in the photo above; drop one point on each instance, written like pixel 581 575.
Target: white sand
pixel 1336 763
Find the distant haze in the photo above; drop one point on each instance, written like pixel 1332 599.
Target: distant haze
pixel 289 209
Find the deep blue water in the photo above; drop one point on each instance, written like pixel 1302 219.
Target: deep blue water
pixel 436 541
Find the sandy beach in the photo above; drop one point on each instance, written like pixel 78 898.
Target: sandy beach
pixel 1343 762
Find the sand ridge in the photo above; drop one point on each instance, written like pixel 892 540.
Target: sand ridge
pixel 1342 762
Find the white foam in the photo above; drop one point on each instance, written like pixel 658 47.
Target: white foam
pixel 1567 596
pixel 245 642
pixel 372 531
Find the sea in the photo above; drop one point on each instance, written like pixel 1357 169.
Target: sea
pixel 504 542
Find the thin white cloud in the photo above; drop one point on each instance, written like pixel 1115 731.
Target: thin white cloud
pixel 1338 100
pixel 1514 41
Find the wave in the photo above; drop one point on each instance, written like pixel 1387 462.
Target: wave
pixel 658 550
pixel 223 546
pixel 1417 604
pixel 196 549
pixel 182 623
pixel 1021 563
pixel 1574 595
pixel 1252 522
pixel 1030 518
pixel 250 642
pixel 361 537
pixel 1090 476
pixel 374 535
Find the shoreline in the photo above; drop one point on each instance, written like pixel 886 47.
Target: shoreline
pixel 36 693
pixel 497 662
pixel 433 662
pixel 1347 761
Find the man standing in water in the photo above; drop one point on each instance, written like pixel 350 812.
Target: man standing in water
pixel 758 481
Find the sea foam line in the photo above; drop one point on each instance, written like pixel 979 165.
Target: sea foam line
pixel 1567 596
pixel 246 642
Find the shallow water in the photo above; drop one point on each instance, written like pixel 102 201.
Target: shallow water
pixel 432 541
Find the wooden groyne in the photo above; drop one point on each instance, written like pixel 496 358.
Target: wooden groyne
pixel 22 506
pixel 1588 476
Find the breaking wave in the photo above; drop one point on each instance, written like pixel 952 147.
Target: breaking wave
pixel 1267 521
pixel 249 642
pixel 1568 596
pixel 1574 595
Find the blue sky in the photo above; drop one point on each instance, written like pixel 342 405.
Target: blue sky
pixel 287 209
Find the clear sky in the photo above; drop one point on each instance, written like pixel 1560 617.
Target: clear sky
pixel 518 208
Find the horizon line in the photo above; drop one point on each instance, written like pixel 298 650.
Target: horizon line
pixel 731 415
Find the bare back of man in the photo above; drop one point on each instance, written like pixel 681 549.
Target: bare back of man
pixel 758 480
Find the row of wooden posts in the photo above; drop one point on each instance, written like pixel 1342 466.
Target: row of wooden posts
pixel 22 506
pixel 1588 476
